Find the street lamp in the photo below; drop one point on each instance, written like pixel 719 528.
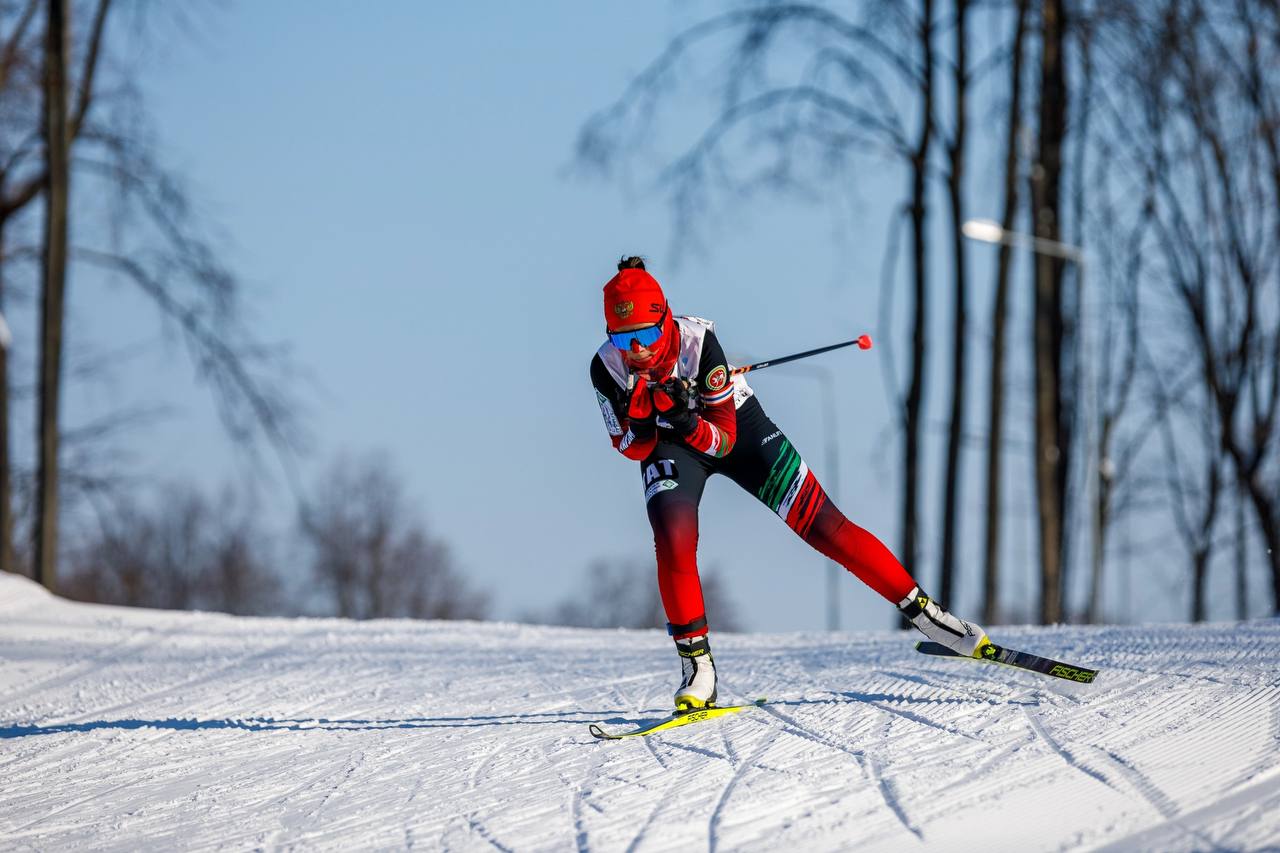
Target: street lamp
pixel 831 477
pixel 990 231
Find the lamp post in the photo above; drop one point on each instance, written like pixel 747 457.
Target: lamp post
pixel 832 462
pixel 6 512
pixel 825 377
pixel 989 231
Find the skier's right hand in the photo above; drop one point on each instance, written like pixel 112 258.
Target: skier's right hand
pixel 640 411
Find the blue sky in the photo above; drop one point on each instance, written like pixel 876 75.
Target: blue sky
pixel 393 183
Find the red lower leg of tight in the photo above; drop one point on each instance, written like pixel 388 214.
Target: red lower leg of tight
pixel 676 543
pixel 860 552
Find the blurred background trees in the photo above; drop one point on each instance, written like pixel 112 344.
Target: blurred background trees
pixel 1139 157
pixel 623 593
pixel 371 554
pixel 183 552
pixel 83 188
pixel 1128 339
pixel 76 153
pixel 363 546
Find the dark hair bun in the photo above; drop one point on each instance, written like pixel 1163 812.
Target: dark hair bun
pixel 635 262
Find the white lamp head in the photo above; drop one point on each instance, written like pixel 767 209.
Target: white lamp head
pixel 983 229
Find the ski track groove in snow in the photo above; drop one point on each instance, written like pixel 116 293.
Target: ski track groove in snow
pixel 868 766
pixel 653 750
pixel 579 797
pixel 1038 727
pixel 673 782
pixel 739 769
pixel 76 668
pixel 126 730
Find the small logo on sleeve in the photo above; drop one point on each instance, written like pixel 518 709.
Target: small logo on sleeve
pixel 610 419
pixel 717 379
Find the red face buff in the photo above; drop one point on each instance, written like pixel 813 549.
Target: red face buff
pixel 632 298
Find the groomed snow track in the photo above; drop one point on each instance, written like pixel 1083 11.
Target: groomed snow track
pixel 133 730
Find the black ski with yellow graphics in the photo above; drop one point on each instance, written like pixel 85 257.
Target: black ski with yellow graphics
pixel 1022 660
pixel 680 719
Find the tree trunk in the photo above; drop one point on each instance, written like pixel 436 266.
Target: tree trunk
pixel 1202 552
pixel 1242 557
pixel 1199 576
pixel 1048 332
pixel 960 327
pixel 1101 520
pixel 1264 503
pixel 6 462
pixel 999 317
pixel 920 329
pixel 55 276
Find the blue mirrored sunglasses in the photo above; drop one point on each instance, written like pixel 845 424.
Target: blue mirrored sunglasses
pixel 646 337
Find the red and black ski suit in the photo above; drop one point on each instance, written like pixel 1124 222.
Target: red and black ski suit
pixel 733 436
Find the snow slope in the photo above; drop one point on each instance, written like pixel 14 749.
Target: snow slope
pixel 128 729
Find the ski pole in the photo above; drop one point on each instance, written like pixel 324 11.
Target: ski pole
pixel 863 342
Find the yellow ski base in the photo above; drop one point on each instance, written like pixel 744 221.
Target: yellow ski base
pixel 674 721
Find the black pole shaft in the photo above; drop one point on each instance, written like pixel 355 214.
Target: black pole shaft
pixel 760 365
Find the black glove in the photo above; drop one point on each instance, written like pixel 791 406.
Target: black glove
pixel 671 400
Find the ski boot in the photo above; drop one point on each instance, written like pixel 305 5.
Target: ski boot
pixel 698 688
pixel 963 638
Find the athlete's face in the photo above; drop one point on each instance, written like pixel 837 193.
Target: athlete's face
pixel 638 356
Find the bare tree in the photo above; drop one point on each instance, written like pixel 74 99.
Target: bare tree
pixel 1242 554
pixel 1229 294
pixel 1195 498
pixel 792 135
pixel 1202 76
pixel 155 242
pixel 56 195
pixel 373 556
pixel 624 594
pixel 913 403
pixel 185 552
pixel 999 322
pixel 1118 357
pixel 12 59
pixel 1052 436
pixel 18 187
pixel 956 156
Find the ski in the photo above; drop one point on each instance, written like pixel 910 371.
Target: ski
pixel 674 721
pixel 1022 660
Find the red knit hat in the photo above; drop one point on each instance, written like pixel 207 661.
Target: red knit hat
pixel 633 297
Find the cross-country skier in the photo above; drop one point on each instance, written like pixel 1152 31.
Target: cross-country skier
pixel 670 402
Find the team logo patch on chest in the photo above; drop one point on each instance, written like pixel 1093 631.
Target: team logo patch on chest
pixel 718 378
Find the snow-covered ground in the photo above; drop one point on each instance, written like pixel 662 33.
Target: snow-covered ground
pixel 129 729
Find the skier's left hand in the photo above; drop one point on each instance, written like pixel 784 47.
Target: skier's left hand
pixel 671 399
